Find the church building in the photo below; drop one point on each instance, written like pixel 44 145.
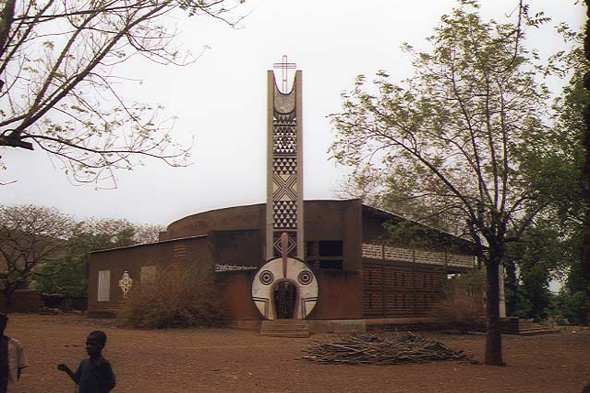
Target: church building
pixel 330 262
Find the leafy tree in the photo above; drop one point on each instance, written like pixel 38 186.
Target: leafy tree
pixel 572 300
pixel 454 136
pixel 586 166
pixel 58 89
pixel 30 236
pixel 533 260
pixel 564 184
pixel 68 275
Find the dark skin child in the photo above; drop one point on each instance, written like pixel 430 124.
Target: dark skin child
pixel 3 323
pixel 94 350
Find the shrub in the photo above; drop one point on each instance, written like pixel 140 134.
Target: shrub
pixel 462 306
pixel 180 296
pixel 572 306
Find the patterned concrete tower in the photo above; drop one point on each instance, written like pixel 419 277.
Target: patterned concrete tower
pixel 284 204
pixel 284 287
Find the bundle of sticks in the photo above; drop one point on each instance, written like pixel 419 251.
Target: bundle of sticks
pixel 373 349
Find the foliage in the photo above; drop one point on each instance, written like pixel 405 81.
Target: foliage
pixel 541 251
pixel 68 275
pixel 58 88
pixel 180 296
pixel 567 188
pixel 30 236
pixel 452 140
pixel 463 306
pixel 573 307
pixel 573 300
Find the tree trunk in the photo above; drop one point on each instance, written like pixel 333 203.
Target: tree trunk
pixel 493 354
pixel 585 248
pixel 6 19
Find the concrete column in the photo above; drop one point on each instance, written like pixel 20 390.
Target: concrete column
pixel 502 295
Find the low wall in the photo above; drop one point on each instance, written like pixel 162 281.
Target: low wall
pixel 509 325
pixel 23 300
pixel 65 303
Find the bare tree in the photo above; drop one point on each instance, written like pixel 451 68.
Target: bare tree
pixel 58 90
pixel 30 236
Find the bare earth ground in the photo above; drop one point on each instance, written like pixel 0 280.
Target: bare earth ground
pixel 225 360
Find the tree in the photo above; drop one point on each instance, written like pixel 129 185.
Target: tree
pixel 68 275
pixel 454 136
pixel 30 236
pixel 58 91
pixel 541 251
pixel 586 168
pixel 562 148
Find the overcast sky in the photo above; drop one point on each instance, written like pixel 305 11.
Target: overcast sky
pixel 220 101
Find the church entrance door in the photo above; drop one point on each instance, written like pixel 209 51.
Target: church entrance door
pixel 285 297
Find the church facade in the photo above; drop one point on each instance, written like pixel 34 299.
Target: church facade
pixel 321 260
pixel 360 274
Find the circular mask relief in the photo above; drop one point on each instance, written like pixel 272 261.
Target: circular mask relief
pixel 266 277
pixel 305 277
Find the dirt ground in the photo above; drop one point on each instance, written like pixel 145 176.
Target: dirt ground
pixel 226 360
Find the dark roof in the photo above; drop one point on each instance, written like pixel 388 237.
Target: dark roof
pixel 149 244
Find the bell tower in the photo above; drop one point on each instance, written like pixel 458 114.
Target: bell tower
pixel 284 287
pixel 284 204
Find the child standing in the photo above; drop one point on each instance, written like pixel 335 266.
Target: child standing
pixel 12 358
pixel 94 375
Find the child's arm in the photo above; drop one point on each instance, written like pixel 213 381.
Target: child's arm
pixel 66 369
pixel 108 375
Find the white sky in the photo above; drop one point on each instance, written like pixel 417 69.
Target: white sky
pixel 220 101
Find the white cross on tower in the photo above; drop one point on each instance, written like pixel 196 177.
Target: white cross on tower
pixel 285 66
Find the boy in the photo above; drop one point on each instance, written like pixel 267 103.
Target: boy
pixel 12 358
pixel 94 375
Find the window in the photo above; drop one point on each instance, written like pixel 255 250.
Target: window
pixel 104 285
pixel 179 251
pixel 325 254
pixel 148 274
pixel 329 248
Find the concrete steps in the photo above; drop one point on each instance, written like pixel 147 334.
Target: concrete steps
pixel 529 328
pixel 294 328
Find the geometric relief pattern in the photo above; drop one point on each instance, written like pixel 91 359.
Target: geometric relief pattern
pixel 284 135
pixel 376 251
pixel 291 244
pixel 284 165
pixel 284 215
pixel 284 187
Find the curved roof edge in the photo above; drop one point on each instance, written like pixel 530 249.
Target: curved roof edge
pixel 252 205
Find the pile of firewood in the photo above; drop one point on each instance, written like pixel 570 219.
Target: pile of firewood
pixel 373 349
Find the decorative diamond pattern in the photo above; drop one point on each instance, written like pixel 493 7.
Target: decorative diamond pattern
pixel 291 245
pixel 125 283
